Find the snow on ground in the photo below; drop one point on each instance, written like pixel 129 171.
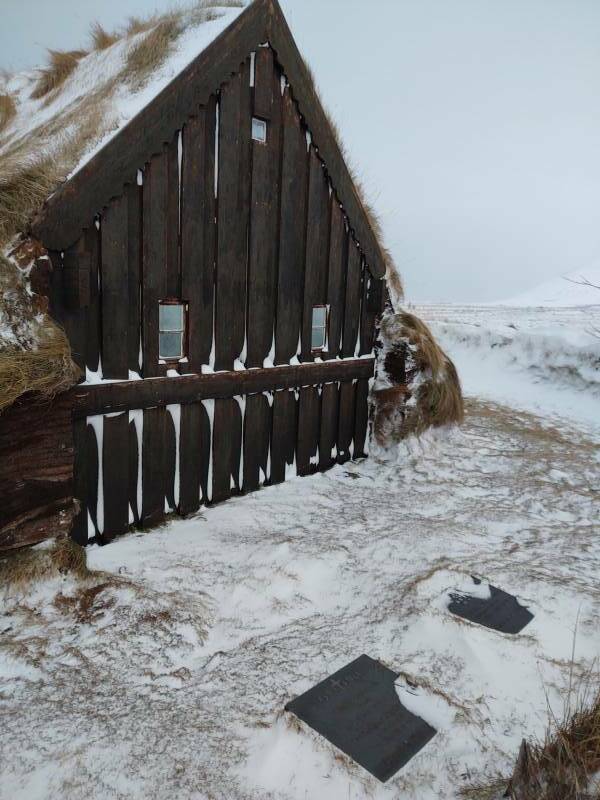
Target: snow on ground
pixel 544 360
pixel 166 675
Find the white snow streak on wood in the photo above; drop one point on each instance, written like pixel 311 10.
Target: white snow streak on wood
pixel 209 406
pixel 138 420
pixel 97 423
pixel 175 412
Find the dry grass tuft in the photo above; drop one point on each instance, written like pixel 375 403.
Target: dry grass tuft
pixel 62 63
pixel 7 110
pixel 22 568
pixel 36 355
pixel 23 192
pixel 422 385
pixel 152 51
pixel 100 38
pixel 567 762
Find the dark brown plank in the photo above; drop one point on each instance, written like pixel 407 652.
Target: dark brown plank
pixel 112 397
pixel 284 434
pixel 134 465
pixel 361 419
pixel 352 302
pixel 257 435
pixel 133 194
pixel 79 531
pixel 153 472
pixel 292 239
pixel 173 278
pixel 198 232
pixel 368 316
pixel 115 471
pixel 226 449
pixel 72 320
pixel 317 245
pixel 170 461
pixel 193 457
pixel 235 119
pixel 309 414
pixel 93 323
pixel 115 290
pixel 329 426
pixel 92 469
pixel 264 219
pixel 346 423
pixel 336 285
pixel 154 287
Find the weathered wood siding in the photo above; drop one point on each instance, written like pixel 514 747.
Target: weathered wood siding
pixel 250 236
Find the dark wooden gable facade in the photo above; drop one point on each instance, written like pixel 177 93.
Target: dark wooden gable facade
pixel 186 206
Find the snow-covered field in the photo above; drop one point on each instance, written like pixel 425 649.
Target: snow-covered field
pixel 166 675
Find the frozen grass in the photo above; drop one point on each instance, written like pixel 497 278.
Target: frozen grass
pixel 7 110
pixel 21 569
pixel 209 626
pixel 100 38
pixel 61 65
pixel 153 49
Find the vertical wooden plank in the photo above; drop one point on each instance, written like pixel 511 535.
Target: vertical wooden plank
pixel 317 244
pixel 368 316
pixel 198 231
pixel 134 465
pixel 346 420
pixel 309 413
pixel 264 209
pixel 329 426
pixel 153 481
pixel 133 194
pixel 115 289
pixel 170 461
pixel 336 285
pixel 173 277
pixel 284 434
pixel 292 240
pixel 235 120
pixel 93 316
pixel 72 320
pixel 257 433
pixel 115 472
pixel 79 531
pixel 190 459
pixel 154 252
pixel 352 301
pixel 92 471
pixel 361 418
pixel 226 449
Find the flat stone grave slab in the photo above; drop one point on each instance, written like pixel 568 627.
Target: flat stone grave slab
pixel 499 611
pixel 357 710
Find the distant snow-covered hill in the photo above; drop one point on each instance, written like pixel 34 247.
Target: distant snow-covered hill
pixel 560 292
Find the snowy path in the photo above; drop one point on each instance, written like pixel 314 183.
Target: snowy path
pixel 168 679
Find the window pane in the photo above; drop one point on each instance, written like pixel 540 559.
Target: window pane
pixel 318 338
pixel 319 317
pixel 171 345
pixel 171 317
pixel 259 130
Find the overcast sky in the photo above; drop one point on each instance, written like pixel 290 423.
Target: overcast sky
pixel 474 124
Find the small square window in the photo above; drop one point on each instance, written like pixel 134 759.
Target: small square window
pixel 171 327
pixel 259 130
pixel 319 328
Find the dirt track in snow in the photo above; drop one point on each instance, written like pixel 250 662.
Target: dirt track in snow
pixel 169 681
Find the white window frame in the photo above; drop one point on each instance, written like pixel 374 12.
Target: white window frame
pixel 261 124
pixel 323 328
pixel 181 331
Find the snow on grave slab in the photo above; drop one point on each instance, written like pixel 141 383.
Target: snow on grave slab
pixel 357 709
pixel 489 606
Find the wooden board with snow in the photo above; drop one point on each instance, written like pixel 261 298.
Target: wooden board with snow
pixel 491 607
pixel 357 709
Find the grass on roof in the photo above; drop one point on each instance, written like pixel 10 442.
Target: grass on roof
pixel 101 39
pixel 7 110
pixel 152 51
pixel 61 65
